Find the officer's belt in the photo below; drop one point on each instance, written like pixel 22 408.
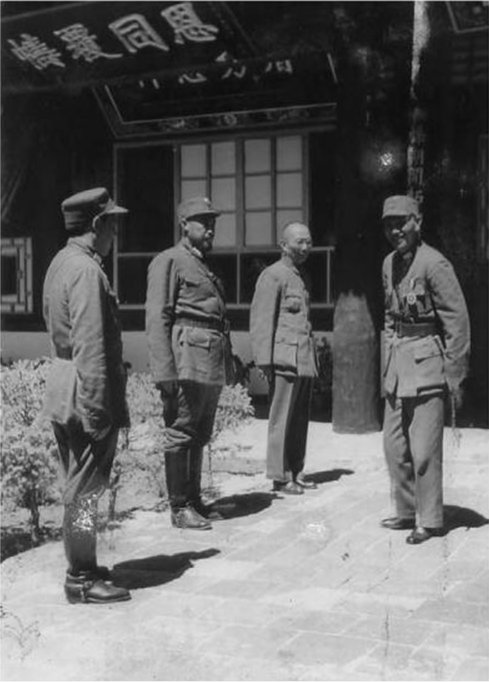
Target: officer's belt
pixel 414 328
pixel 216 325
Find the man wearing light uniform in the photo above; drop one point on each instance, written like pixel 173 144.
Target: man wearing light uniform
pixel 427 343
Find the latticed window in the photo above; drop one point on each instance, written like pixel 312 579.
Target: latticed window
pixel 259 183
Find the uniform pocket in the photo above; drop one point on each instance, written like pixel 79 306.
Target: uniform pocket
pixel 285 353
pixel 200 355
pixel 428 364
pixel 198 337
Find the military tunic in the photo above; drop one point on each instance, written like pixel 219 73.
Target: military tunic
pixel 281 338
pixel 188 341
pixel 427 342
pixel 85 392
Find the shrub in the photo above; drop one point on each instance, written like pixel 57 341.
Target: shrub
pixel 28 455
pixel 233 409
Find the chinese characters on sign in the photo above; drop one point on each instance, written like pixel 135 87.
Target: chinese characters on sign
pixel 81 44
pixel 35 52
pixel 133 31
pixel 186 24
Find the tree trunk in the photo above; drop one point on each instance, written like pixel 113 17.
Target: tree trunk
pixel 355 338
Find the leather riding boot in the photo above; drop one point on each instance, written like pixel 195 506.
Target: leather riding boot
pixel 88 588
pixel 80 534
pixel 80 537
pixel 195 495
pixel 183 514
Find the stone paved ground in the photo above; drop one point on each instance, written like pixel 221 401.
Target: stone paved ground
pixel 298 588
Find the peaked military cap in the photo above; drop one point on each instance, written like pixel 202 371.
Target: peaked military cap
pixel 196 206
pixel 400 204
pixel 81 208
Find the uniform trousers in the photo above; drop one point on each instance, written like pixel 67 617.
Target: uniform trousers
pixel 86 463
pixel 413 441
pixel 189 416
pixel 290 405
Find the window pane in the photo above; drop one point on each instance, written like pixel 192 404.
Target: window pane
pixel 223 193
pixel 223 158
pixel 225 267
pixel 289 153
pixel 258 191
pixel 193 160
pixel 193 188
pixel 289 189
pixel 9 275
pixel 286 216
pixel 225 234
pixel 259 229
pixel 252 264
pixel 132 279
pixel 146 189
pixel 257 156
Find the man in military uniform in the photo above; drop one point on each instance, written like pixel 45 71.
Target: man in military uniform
pixel 427 343
pixel 189 354
pixel 283 349
pixel 85 392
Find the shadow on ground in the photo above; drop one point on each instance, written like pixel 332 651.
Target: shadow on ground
pixel 156 570
pixel 328 476
pixel 243 505
pixel 462 517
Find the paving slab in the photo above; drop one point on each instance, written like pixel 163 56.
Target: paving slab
pixel 285 588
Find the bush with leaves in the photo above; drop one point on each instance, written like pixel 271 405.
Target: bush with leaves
pixel 140 448
pixel 28 455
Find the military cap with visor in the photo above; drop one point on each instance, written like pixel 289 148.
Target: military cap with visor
pixel 196 206
pixel 400 205
pixel 81 208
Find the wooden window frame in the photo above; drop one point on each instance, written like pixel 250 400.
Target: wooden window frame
pixel 240 249
pixel 21 302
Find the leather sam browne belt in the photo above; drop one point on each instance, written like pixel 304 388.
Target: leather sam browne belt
pixel 217 325
pixel 414 328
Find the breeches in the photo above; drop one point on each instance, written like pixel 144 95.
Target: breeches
pixel 413 440
pixel 287 426
pixel 85 463
pixel 189 416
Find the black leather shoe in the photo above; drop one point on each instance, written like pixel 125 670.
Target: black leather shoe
pixel 308 485
pixel 421 534
pixel 188 517
pixel 88 588
pixel 292 488
pixel 396 523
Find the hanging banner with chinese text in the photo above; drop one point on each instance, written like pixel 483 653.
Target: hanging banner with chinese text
pixel 86 43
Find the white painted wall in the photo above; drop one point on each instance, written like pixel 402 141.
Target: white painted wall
pixel 32 345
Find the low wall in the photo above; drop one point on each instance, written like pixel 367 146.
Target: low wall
pixel 32 345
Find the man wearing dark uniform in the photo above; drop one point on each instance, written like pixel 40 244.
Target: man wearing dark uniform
pixel 189 350
pixel 283 348
pixel 427 343
pixel 85 392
